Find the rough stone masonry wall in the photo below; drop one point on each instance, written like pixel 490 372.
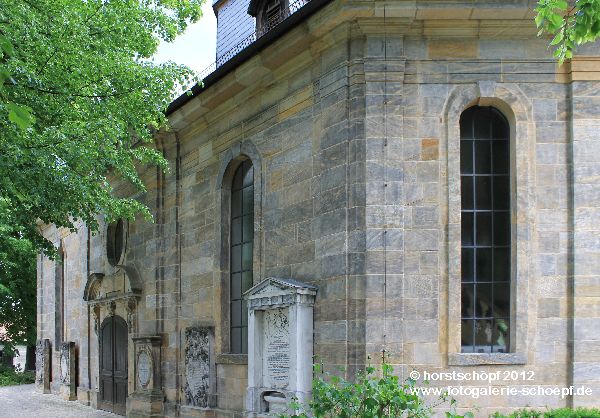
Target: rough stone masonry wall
pixel 74 326
pixel 413 206
pixel 301 136
pixel 352 121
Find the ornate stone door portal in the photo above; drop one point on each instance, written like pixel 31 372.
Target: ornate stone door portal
pixel 113 365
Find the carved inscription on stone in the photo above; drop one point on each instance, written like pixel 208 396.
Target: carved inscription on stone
pixel 65 362
pixel 197 366
pixel 144 369
pixel 39 362
pixel 64 368
pixel 276 364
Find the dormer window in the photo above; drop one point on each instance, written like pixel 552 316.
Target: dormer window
pixel 268 13
pixel 271 14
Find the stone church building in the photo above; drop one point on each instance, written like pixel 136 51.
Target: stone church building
pixel 419 177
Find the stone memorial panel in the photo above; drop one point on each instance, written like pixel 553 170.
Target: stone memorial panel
pixel 144 370
pixel 147 399
pixel 67 371
pixel 64 368
pixel 277 348
pixel 280 344
pixel 42 365
pixel 199 371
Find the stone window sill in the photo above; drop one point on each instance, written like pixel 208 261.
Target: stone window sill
pixel 481 359
pixel 232 359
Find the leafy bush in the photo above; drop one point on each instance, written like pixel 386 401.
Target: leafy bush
pixel 375 393
pixel 553 413
pixel 10 377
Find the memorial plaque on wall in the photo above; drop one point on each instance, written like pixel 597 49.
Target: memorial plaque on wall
pixel 67 370
pixel 148 397
pixel 280 344
pixel 144 368
pixel 276 363
pixel 199 387
pixel 42 365
pixel 64 368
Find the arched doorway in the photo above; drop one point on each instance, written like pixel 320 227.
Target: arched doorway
pixel 113 365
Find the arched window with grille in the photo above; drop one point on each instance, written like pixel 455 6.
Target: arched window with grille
pixel 485 231
pixel 241 251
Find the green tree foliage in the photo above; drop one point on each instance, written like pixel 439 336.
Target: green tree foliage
pixel 10 377
pixel 572 23
pixel 78 94
pixel 79 97
pixel 17 284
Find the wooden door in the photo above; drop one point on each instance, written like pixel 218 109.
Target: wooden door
pixel 113 365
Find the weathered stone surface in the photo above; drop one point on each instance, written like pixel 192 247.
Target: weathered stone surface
pixel 67 371
pixel 199 367
pixel 42 363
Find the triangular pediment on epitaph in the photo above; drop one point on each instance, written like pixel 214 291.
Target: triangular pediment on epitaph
pixel 275 285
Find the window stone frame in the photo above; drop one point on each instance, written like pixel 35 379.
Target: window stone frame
pixel 509 100
pixel 230 161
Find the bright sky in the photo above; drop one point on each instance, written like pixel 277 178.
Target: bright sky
pixel 196 48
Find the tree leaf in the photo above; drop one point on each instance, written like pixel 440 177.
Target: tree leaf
pixel 6 46
pixel 20 115
pixel 4 76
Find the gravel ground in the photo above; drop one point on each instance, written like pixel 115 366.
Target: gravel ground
pixel 24 401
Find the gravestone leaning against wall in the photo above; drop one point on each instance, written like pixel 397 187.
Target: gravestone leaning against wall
pixel 42 365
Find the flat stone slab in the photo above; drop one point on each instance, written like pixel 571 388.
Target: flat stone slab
pixel 24 401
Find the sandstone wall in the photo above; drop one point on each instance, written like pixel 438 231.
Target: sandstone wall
pixel 351 122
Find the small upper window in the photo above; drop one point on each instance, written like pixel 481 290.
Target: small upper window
pixel 268 13
pixel 271 13
pixel 485 231
pixel 116 236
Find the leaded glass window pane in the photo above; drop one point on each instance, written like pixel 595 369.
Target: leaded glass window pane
pixel 485 231
pixel 241 241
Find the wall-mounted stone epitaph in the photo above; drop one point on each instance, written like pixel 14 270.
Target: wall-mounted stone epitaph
pixel 147 399
pixel 43 367
pixel 144 368
pixel 67 371
pixel 276 364
pixel 200 373
pixel 280 344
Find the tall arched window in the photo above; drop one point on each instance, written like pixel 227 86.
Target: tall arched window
pixel 485 236
pixel 241 249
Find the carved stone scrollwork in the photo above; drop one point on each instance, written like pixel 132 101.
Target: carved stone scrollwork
pixel 200 375
pixel 96 316
pixel 131 307
pixel 111 306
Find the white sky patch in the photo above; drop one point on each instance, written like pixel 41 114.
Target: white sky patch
pixel 196 48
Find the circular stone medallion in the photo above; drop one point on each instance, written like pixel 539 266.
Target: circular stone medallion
pixel 144 369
